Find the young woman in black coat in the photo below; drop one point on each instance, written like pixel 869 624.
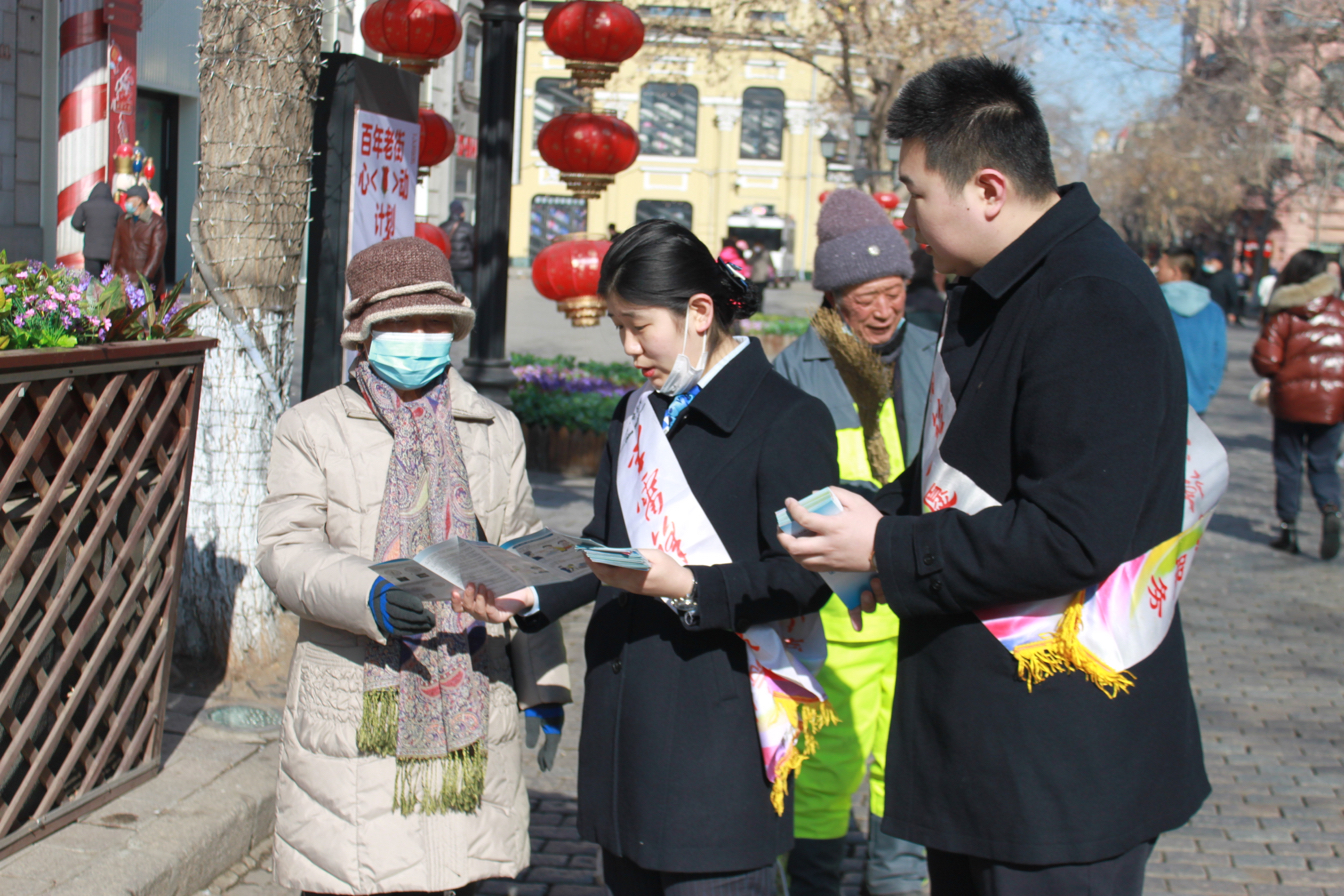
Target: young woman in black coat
pixel 672 781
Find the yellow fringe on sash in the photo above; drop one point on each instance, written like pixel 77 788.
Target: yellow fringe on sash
pixel 1061 651
pixel 812 717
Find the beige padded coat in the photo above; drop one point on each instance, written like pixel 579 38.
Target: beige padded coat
pixel 336 830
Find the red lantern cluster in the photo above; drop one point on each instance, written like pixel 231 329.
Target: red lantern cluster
pixel 567 272
pixel 589 149
pixel 414 34
pixel 437 138
pixel 432 234
pixel 595 36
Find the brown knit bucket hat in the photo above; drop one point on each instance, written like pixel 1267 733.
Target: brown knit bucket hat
pixel 397 279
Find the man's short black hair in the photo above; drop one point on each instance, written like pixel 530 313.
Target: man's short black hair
pixel 972 113
pixel 1183 259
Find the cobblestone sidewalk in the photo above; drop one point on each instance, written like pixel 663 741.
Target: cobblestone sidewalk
pixel 1266 639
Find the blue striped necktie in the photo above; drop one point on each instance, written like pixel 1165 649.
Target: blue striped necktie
pixel 677 406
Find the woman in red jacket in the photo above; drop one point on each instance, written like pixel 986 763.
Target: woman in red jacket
pixel 1302 350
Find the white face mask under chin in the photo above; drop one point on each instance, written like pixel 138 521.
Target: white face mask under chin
pixel 683 375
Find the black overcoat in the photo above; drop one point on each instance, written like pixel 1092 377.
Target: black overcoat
pixel 670 768
pixel 1071 411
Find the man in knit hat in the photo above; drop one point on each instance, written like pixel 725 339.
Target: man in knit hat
pixel 872 369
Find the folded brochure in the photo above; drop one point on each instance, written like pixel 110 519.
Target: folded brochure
pixel 542 558
pixel 848 586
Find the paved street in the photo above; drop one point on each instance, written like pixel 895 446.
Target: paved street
pixel 1266 636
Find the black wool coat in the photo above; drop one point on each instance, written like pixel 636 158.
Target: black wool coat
pixel 1071 411
pixel 670 769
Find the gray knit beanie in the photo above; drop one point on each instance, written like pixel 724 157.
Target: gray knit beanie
pixel 857 242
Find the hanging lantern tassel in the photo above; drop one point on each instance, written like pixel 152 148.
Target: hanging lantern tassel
pixel 589 149
pixel 567 272
pixel 594 36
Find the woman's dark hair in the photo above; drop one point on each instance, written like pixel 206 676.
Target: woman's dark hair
pixel 1302 267
pixel 661 264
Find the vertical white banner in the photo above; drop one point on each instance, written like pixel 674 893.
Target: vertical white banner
pixel 382 179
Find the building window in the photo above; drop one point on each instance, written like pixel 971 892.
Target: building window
pixel 471 54
pixel 554 216
pixel 768 15
pixel 553 96
pixel 667 119
pixel 762 123
pixel 648 209
pixel 676 12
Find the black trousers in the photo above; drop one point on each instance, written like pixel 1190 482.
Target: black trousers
pixel 625 878
pixel 95 265
pixel 954 874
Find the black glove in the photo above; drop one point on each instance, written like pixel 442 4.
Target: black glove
pixel 397 613
pixel 547 717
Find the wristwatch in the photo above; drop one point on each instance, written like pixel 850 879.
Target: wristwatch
pixel 688 606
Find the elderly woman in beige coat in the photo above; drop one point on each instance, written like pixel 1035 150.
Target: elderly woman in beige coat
pixel 400 766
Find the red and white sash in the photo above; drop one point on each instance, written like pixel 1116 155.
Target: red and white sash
pixel 660 511
pixel 1109 627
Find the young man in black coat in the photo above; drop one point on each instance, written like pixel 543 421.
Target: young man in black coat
pixel 1071 416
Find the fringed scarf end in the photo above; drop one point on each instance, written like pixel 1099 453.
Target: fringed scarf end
pixel 812 717
pixel 377 731
pixel 453 783
pixel 1062 651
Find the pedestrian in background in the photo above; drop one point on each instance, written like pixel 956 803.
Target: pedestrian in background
pixel 462 241
pixel 1222 286
pixel 924 301
pixel 762 271
pixel 97 218
pixel 1301 350
pixel 1199 326
pixel 683 775
pixel 1054 454
pixel 140 240
pixel 400 754
pixel 871 367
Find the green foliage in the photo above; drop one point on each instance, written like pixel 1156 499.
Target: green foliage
pixel 774 325
pixel 582 411
pixel 565 392
pixel 57 307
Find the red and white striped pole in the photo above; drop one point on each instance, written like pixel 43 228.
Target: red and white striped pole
pixel 97 104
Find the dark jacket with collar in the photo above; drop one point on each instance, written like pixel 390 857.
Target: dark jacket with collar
pixel 97 218
pixel 670 768
pixel 1072 412
pixel 807 364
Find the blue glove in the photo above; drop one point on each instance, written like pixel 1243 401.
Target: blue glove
pixel 397 613
pixel 550 719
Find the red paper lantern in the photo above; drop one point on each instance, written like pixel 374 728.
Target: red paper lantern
pixel 148 170
pixel 822 197
pixel 595 36
pixel 413 34
pixel 889 201
pixel 437 138
pixel 567 272
pixel 589 149
pixel 431 234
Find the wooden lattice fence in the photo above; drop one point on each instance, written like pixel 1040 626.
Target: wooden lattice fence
pixel 95 452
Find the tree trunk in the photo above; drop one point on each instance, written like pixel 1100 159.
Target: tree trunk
pixel 259 63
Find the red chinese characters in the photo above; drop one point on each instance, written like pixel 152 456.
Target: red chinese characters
pixel 938 498
pixel 1157 594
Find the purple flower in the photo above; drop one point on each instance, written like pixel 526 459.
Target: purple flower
pixel 106 276
pixel 22 275
pixel 9 290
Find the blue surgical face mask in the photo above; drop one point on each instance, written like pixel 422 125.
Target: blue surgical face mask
pixel 409 361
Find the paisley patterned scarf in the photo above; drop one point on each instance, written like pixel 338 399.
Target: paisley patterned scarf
pixel 426 699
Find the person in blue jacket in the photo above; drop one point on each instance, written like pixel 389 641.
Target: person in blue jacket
pixel 1199 325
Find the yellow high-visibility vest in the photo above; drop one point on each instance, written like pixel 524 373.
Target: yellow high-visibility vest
pixel 853 457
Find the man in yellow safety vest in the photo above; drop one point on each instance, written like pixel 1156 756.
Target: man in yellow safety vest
pixel 872 369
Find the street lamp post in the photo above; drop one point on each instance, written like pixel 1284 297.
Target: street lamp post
pixel 487 367
pixel 862 128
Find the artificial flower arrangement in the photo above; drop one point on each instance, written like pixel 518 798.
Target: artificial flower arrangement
pixel 59 307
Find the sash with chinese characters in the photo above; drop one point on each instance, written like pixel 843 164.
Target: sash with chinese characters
pixel 661 512
pixel 1105 629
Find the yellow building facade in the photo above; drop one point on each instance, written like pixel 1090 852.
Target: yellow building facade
pixel 723 132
